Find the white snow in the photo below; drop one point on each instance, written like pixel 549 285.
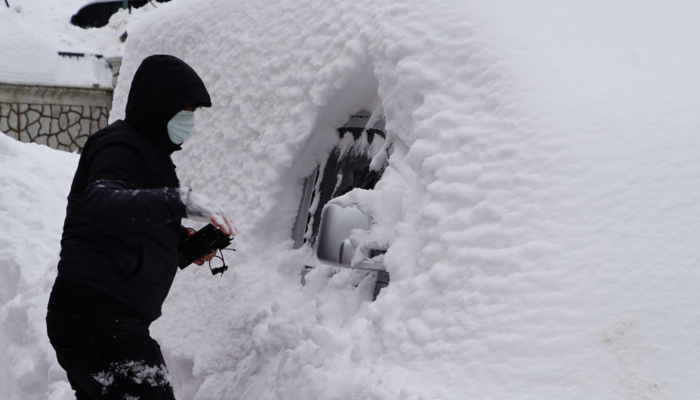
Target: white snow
pixel 34 183
pixel 543 245
pixel 152 375
pixel 34 32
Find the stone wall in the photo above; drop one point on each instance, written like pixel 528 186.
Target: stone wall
pixel 59 117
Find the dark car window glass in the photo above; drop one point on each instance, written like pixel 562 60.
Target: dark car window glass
pixel 97 14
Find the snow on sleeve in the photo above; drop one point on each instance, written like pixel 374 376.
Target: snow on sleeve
pixel 35 181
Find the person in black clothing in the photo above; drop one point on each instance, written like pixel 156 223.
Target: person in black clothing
pixel 121 236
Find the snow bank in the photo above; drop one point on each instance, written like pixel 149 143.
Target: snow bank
pixel 543 158
pixel 35 181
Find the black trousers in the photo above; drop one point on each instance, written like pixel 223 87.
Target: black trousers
pixel 109 358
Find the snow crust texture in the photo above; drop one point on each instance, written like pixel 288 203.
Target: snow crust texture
pixel 543 155
pixel 538 204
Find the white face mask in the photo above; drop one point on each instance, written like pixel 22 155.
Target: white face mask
pixel 180 126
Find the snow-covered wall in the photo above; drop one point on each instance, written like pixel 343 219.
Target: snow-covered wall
pixel 60 117
pixel 544 164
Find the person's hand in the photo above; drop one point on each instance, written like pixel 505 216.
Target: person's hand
pixel 224 223
pixel 202 208
pixel 204 258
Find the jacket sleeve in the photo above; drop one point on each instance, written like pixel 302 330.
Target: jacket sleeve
pixel 109 201
pixel 110 204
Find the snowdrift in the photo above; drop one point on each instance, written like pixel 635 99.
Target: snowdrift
pixel 35 182
pixel 543 243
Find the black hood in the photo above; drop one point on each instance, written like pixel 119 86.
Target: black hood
pixel 163 86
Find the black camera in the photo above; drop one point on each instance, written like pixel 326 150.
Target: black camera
pixel 202 243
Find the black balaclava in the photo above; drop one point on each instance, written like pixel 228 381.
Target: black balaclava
pixel 163 86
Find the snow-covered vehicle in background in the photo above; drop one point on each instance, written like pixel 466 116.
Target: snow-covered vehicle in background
pixel 356 163
pixel 97 13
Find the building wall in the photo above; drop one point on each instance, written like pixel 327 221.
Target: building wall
pixel 60 117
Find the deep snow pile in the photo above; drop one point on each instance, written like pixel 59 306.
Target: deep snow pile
pixel 543 162
pixel 35 181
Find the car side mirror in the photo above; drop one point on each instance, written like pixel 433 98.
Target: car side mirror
pixel 333 246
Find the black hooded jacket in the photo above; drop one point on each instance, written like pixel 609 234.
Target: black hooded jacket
pixel 122 227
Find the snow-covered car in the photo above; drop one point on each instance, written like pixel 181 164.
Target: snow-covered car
pixel 97 13
pixel 356 163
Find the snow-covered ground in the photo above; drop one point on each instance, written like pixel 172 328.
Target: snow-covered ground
pixel 35 182
pixel 542 172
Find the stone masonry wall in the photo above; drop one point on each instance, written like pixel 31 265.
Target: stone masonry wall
pixel 60 117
